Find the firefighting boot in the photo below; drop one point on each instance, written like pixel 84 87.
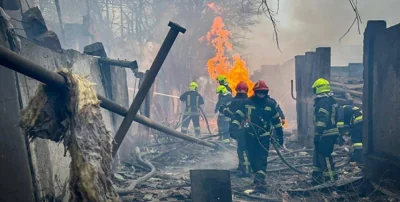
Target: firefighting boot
pixel 259 182
pixel 317 178
pixel 242 173
pixel 260 187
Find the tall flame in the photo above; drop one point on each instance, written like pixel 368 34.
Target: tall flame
pixel 233 68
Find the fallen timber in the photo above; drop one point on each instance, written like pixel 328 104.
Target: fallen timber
pixel 343 90
pixel 28 68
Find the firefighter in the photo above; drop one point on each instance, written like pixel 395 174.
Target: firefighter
pixel 192 100
pixel 258 116
pixel 326 132
pixel 224 98
pixel 229 111
pixel 350 120
pixel 223 81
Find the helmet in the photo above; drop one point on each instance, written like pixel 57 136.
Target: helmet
pixel 193 86
pixel 221 89
pixel 221 79
pixel 321 85
pixel 242 86
pixel 260 86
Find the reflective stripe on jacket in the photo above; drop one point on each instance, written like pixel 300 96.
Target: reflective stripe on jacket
pixel 325 115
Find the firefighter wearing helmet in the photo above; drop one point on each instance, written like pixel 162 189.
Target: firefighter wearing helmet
pixel 224 82
pixel 229 111
pixel 192 100
pixel 258 116
pixel 326 132
pixel 224 98
pixel 350 122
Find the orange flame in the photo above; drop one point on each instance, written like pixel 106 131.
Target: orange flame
pixel 234 71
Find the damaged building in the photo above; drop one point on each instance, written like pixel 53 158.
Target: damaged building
pixel 67 119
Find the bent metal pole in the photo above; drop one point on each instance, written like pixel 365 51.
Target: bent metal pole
pixel 28 68
pixel 146 85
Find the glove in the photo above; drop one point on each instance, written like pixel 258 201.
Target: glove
pixel 283 122
pixel 221 108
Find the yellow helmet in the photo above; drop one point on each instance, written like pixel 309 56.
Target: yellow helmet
pixel 221 79
pixel 193 86
pixel 321 85
pixel 221 89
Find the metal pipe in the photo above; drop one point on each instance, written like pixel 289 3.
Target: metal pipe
pixel 24 66
pixel 60 20
pixel 133 65
pixel 147 83
pixel 291 89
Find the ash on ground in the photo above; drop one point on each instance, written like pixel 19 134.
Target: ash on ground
pixel 173 161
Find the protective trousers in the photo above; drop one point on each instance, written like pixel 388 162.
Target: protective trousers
pixel 357 146
pixel 323 165
pixel 195 118
pixel 223 128
pixel 258 148
pixel 244 163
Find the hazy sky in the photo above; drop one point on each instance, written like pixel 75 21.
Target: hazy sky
pixel 307 24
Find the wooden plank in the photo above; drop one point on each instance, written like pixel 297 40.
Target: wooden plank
pixel 349 98
pixel 353 92
pixel 349 86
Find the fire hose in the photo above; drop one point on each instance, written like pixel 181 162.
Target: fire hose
pixel 205 119
pixel 142 179
pixel 284 160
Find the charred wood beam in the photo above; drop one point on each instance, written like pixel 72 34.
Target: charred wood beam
pixel 348 86
pixel 353 92
pixel 169 40
pixel 349 98
pixel 60 19
pixel 28 68
pixel 133 65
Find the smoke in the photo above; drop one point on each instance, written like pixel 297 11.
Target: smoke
pixel 307 24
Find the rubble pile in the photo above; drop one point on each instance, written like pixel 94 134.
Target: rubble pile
pixel 171 181
pixel 348 90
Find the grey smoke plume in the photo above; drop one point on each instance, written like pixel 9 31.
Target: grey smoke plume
pixel 307 24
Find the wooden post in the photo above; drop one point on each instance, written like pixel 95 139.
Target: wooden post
pixel 211 185
pixel 308 98
pixel 300 99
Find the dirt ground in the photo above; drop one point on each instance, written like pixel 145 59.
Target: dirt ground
pixel 173 162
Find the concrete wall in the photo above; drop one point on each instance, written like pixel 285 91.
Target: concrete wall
pixel 382 100
pixel 16 180
pixel 50 166
pixel 309 67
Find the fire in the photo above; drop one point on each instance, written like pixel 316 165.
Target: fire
pixel 234 68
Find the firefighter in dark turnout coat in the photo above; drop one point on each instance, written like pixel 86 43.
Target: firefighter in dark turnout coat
pixel 238 135
pixel 326 132
pixel 192 100
pixel 350 120
pixel 224 98
pixel 258 116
